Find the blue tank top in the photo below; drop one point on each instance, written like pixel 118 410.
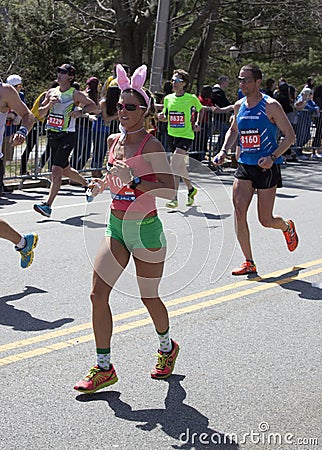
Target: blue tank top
pixel 257 134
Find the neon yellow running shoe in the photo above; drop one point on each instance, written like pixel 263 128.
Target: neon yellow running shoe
pixel 166 361
pixel 172 204
pixel 27 253
pixel 191 197
pixel 96 379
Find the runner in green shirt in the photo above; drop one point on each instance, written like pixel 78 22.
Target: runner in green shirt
pixel 178 109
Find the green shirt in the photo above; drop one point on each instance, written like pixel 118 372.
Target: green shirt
pixel 179 112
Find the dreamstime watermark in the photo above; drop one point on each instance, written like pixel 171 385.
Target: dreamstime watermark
pixel 262 436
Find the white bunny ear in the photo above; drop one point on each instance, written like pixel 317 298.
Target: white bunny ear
pixel 139 76
pixel 122 79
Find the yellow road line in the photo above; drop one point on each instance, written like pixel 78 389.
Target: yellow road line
pixel 142 311
pixel 143 322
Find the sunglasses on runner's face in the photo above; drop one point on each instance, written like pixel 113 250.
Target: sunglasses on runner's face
pixel 63 71
pixel 244 80
pixel 176 80
pixel 129 106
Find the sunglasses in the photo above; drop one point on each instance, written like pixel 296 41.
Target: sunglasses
pixel 63 71
pixel 244 80
pixel 129 106
pixel 176 80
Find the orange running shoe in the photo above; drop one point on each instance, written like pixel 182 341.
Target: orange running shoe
pixel 166 361
pixel 96 379
pixel 291 236
pixel 246 267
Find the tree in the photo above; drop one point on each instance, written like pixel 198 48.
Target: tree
pixel 284 38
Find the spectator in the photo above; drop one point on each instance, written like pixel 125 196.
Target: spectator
pixel 84 125
pixel 206 122
pixel 100 128
pixel 163 126
pixel 218 96
pixel 309 84
pixel 111 80
pixel 270 87
pixel 317 97
pixel 219 99
pixel 282 95
pixel 306 107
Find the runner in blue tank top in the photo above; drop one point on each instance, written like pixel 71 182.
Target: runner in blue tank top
pixel 256 121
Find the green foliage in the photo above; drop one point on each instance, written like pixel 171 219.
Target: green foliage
pixel 284 38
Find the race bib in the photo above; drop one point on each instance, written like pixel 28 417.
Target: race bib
pixel 119 191
pixel 55 122
pixel 176 119
pixel 250 139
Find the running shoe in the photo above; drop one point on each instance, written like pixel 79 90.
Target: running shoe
pixel 191 197
pixel 172 204
pixel 246 267
pixel 96 379
pixel 27 253
pixel 43 209
pixel 291 236
pixel 166 361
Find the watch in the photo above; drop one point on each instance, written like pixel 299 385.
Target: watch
pixel 134 182
pixel 274 157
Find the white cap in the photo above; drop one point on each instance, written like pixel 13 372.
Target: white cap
pixel 14 80
pixel 307 90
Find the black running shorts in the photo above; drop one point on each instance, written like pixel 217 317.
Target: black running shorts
pixel 261 178
pixel 177 142
pixel 61 146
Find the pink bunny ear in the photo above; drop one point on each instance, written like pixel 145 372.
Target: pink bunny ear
pixel 122 79
pixel 139 76
pixel 137 81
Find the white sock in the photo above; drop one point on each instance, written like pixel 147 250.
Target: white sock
pixel 165 341
pixel 103 360
pixel 21 244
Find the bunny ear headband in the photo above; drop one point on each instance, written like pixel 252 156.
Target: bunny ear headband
pixel 137 81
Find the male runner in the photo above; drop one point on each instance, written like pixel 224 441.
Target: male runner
pixel 178 109
pixel 256 120
pixel 60 106
pixel 10 100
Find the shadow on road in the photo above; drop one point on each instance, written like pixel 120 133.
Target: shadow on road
pixel 21 320
pixel 76 221
pixel 287 281
pixel 178 420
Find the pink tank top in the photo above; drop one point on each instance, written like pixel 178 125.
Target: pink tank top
pixel 125 198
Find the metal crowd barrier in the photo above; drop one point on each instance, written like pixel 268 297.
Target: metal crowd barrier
pixel 31 161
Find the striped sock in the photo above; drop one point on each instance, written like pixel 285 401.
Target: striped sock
pixel 165 341
pixel 103 358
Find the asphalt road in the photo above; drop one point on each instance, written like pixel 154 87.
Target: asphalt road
pixel 248 375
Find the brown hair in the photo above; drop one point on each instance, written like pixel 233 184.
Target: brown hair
pixel 184 75
pixel 255 70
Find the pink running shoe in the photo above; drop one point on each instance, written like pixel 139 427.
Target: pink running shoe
pixel 96 379
pixel 166 361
